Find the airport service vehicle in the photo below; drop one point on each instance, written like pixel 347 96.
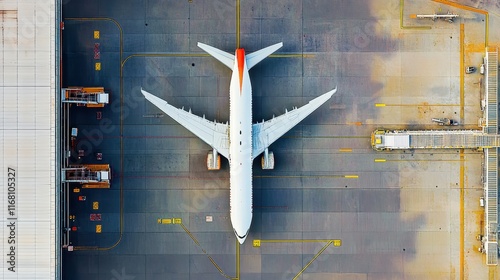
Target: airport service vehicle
pixel 91 176
pixel 470 69
pixel 445 121
pixel 85 96
pixel 244 141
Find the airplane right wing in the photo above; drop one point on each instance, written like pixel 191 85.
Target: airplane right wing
pixel 214 134
pixel 265 133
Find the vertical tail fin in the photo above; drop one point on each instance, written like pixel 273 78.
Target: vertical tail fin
pixel 259 55
pixel 222 56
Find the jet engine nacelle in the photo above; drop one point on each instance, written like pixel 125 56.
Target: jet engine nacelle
pixel 267 161
pixel 213 160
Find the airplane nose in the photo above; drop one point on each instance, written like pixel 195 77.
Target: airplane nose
pixel 240 238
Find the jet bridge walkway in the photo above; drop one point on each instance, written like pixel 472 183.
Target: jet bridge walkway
pixel 433 139
pixel 487 140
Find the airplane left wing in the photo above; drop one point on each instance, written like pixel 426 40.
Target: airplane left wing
pixel 214 134
pixel 265 133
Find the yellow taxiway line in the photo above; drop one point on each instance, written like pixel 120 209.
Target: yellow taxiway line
pixel 292 55
pixel 206 254
pixel 462 69
pixel 462 213
pixel 415 105
pixel 260 241
pixel 238 23
pixel 203 55
pixel 312 260
pixel 492 273
pixel 426 160
pixel 349 176
pixel 334 242
pixel 237 260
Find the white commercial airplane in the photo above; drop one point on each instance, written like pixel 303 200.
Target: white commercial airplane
pixel 244 141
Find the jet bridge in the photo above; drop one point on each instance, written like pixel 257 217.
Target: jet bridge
pixel 487 140
pixel 432 139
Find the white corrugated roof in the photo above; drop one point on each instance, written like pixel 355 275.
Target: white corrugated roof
pixel 27 138
pixel 397 141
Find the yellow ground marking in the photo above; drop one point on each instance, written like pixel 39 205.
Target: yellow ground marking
pixel 292 55
pixel 206 254
pixel 177 221
pixel 460 6
pixel 415 105
pixel 492 273
pixel 163 55
pixel 237 23
pixel 472 9
pixel 306 176
pixel 295 240
pixel 203 55
pixel 96 34
pixel 312 260
pixel 334 242
pixel 164 221
pixel 237 260
pixel 98 228
pixel 97 66
pixel 95 205
pixel 351 176
pixel 476 48
pixel 321 137
pixel 355 123
pixel 401 12
pixel 345 150
pixel 76 190
pixel 462 70
pixel 426 160
pixel 462 213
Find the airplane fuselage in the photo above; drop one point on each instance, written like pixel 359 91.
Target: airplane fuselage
pixel 240 147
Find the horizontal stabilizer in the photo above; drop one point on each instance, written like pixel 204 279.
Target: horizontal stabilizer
pixel 222 56
pixel 258 56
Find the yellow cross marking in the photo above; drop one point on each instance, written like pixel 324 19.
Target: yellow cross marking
pixel 96 34
pixel 256 243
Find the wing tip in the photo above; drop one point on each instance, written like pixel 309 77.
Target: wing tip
pixel 145 93
pixel 331 92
